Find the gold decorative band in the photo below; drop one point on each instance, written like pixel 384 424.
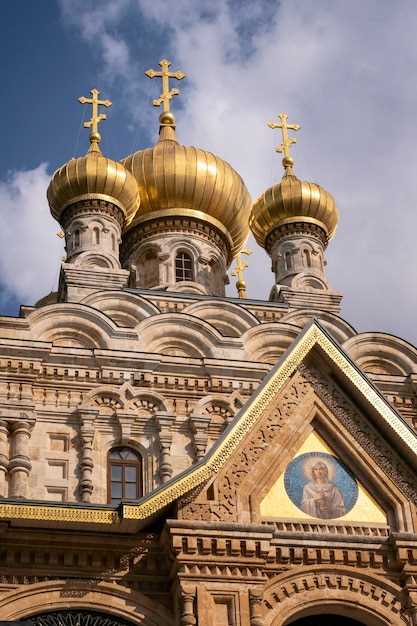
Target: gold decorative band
pixel 90 196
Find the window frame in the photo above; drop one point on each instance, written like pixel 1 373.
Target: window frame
pixel 183 255
pixel 127 463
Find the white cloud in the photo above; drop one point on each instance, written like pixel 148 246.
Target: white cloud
pixel 30 252
pixel 342 70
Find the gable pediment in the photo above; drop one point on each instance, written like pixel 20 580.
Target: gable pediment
pixel 323 401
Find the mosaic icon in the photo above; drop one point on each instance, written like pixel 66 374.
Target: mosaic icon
pixel 320 485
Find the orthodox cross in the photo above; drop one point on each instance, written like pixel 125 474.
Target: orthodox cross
pixel 284 147
pixel 167 93
pixel 241 266
pixel 96 117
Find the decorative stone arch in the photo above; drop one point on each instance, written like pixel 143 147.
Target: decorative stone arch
pixel 96 259
pixel 107 396
pixel 125 309
pixel 267 342
pixel 180 334
pixel 76 325
pixel 333 589
pixel 231 320
pixel 335 325
pixel 309 282
pixel 381 353
pixel 103 597
pixel 151 401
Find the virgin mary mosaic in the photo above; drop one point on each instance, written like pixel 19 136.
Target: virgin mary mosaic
pixel 320 485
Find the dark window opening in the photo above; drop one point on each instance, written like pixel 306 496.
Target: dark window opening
pixel 183 267
pixel 125 475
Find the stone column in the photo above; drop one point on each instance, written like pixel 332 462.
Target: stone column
pixel 187 613
pixel 20 465
pixel 4 457
pixel 256 608
pixel 199 428
pixel 87 463
pixel 165 423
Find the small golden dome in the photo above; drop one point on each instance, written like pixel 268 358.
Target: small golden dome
pixel 293 200
pixel 176 180
pixel 93 176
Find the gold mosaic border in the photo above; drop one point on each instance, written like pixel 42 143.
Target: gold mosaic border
pixel 57 514
pixel 313 336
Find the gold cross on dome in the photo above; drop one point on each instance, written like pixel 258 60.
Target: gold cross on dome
pixel 167 93
pixel 287 141
pixel 96 117
pixel 241 266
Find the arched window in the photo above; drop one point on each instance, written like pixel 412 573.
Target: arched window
pixel 125 475
pixel 113 242
pixel 288 261
pixel 76 238
pixel 96 235
pixel 307 258
pixel 183 267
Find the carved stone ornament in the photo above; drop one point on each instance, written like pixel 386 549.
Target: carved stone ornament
pixel 77 618
pixel 276 424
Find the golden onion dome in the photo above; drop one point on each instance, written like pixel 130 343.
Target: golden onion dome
pixel 293 200
pixel 177 180
pixel 93 176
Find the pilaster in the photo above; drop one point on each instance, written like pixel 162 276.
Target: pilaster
pixel 20 465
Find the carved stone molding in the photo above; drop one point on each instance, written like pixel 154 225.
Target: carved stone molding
pixel 362 430
pixel 262 436
pixel 354 594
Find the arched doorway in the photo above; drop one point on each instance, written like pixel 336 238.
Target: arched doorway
pixel 325 620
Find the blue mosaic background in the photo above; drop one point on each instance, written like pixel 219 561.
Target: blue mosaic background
pixel 295 478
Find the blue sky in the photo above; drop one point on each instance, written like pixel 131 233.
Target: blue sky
pixel 345 71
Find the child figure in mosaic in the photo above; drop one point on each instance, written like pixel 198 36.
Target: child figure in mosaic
pixel 321 498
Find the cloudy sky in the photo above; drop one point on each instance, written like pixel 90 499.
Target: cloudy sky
pixel 345 71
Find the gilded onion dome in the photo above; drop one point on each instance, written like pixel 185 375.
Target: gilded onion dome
pixel 292 200
pixel 177 180
pixel 184 181
pixel 93 177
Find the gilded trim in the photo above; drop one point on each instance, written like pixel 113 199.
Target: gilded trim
pixel 313 336
pixel 57 514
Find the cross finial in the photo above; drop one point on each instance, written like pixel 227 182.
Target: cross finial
pixel 96 117
pixel 284 147
pixel 167 93
pixel 241 266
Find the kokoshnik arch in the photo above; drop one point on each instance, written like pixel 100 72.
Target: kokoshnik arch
pixel 172 456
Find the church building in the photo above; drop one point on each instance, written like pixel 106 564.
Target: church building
pixel 172 456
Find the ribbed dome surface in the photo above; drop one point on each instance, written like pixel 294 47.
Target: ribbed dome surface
pixel 293 200
pixel 173 178
pixel 93 176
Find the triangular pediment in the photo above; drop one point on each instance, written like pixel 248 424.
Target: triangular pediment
pixel 383 439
